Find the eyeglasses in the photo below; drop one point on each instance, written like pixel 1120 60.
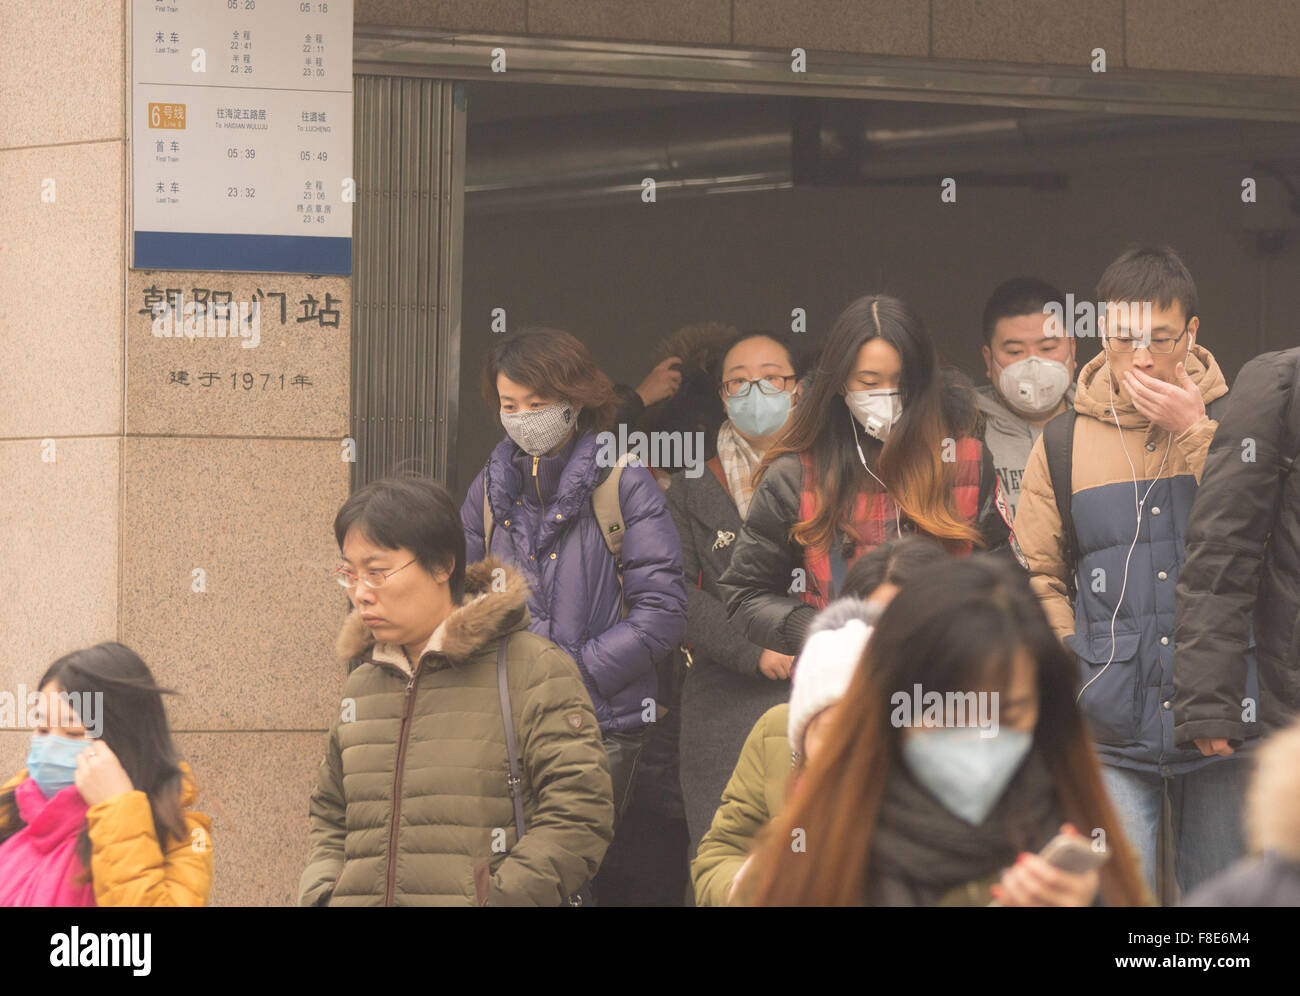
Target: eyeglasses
pixel 739 387
pixel 371 579
pixel 1128 344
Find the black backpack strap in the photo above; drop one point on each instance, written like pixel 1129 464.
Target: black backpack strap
pixel 1215 408
pixel 507 715
pixel 1058 445
pixel 487 520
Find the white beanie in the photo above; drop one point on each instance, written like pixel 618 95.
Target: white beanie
pixel 827 663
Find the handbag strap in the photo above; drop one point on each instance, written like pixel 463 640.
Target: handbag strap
pixel 507 715
pixel 583 895
pixel 1058 447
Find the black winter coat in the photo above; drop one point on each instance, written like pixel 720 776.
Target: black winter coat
pixel 1239 589
pixel 755 584
pixel 725 694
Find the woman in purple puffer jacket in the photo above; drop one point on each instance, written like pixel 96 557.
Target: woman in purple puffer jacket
pixel 557 408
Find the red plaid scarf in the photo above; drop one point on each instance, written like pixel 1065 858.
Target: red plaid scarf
pixel 873 514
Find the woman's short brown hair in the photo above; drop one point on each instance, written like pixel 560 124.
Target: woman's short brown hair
pixel 553 362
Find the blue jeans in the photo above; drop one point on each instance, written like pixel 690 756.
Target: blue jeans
pixel 1207 806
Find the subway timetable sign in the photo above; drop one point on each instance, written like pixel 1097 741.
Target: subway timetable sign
pixel 241 136
pixel 166 115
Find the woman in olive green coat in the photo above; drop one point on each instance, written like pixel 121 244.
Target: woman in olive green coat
pixel 413 800
pixel 754 793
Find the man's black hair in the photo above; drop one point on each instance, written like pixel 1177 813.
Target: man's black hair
pixel 1015 297
pixel 1155 274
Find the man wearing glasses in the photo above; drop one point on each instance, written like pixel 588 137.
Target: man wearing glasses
pixel 1102 522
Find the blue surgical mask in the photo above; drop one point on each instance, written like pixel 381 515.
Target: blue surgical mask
pixel 758 414
pixel 52 762
pixel 965 771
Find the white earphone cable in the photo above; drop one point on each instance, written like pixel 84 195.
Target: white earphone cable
pixel 898 525
pixel 1139 503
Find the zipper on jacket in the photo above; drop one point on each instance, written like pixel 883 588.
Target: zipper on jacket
pixel 408 705
pixel 538 485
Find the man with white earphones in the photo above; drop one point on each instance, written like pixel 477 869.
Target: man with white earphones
pixel 1102 522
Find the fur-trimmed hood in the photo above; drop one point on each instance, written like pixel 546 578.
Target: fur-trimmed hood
pixel 495 604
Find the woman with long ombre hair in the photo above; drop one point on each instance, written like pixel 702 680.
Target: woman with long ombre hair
pixel 950 809
pixel 883 445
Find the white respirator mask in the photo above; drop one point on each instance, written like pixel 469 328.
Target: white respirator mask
pixel 1034 386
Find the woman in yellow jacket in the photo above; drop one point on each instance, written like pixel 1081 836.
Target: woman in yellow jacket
pixel 99 817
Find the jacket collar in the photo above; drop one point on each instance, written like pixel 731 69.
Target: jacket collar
pixel 577 480
pixel 495 604
pixel 1094 396
pixel 49 821
pixel 189 790
pixel 550 471
pixel 1001 417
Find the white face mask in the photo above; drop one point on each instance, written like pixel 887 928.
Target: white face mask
pixel 1035 385
pixel 876 410
pixel 963 769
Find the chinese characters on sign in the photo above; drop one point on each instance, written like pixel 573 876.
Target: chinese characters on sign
pixel 210 313
pixel 162 303
pixel 240 354
pixel 246 379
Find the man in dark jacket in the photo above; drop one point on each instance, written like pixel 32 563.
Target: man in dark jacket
pixel 1238 596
